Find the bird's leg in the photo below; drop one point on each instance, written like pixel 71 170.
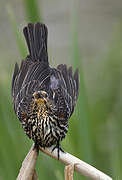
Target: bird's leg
pixel 36 146
pixel 58 146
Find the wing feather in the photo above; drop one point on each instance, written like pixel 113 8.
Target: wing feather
pixel 72 85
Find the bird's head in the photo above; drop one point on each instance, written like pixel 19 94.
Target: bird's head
pixel 40 96
pixel 42 102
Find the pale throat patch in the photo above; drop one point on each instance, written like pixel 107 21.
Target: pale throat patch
pixel 41 107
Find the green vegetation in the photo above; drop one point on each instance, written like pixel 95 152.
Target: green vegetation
pixel 95 127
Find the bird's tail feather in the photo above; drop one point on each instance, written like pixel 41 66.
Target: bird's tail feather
pixel 36 38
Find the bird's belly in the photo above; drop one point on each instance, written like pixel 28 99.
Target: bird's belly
pixel 44 131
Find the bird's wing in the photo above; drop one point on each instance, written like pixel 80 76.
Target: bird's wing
pixel 23 99
pixel 71 88
pixel 29 78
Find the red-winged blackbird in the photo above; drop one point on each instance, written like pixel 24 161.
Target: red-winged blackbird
pixel 43 97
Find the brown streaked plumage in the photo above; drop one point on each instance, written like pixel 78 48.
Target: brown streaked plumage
pixel 44 98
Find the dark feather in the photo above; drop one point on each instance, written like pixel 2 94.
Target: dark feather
pixel 26 91
pixel 36 38
pixel 38 71
pixel 16 71
pixel 44 98
pixel 76 78
pixel 72 85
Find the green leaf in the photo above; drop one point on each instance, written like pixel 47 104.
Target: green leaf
pixel 32 10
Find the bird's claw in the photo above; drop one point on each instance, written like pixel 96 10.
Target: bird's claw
pixel 58 146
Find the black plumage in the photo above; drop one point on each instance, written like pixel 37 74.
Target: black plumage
pixel 44 98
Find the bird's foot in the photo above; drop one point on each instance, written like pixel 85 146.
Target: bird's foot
pixel 58 147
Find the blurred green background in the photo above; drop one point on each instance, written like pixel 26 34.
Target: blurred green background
pixel 88 35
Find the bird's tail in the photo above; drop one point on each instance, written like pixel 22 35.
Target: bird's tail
pixel 36 38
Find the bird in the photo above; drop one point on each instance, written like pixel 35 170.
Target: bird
pixel 43 97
